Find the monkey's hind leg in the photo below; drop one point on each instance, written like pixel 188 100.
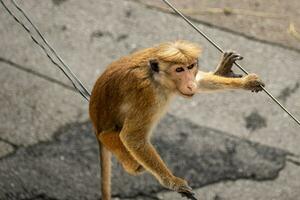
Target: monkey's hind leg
pixel 112 141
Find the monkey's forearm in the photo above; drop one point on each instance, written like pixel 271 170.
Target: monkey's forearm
pixel 207 81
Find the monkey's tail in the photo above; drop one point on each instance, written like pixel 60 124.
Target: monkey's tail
pixel 105 163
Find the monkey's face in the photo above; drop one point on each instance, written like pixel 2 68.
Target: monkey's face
pixel 184 77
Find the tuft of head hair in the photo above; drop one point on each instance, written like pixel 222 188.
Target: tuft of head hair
pixel 181 52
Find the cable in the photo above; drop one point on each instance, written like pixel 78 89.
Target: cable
pixel 77 83
pixel 65 69
pixel 221 50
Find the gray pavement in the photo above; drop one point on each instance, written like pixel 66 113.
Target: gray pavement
pixel 230 145
pixel 70 162
pixel 267 21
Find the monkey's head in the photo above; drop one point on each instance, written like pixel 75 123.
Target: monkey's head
pixel 175 67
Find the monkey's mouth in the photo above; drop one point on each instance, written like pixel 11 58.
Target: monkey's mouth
pixel 186 95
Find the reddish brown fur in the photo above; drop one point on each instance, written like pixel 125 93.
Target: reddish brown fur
pixel 125 80
pixel 129 98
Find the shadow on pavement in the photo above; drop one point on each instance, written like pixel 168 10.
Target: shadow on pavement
pixel 67 167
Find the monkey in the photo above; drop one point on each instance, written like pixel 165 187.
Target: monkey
pixel 132 94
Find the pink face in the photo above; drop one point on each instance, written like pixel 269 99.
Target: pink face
pixel 184 77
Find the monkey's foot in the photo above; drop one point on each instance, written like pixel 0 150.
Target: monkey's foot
pixel 186 191
pixel 179 185
pixel 253 83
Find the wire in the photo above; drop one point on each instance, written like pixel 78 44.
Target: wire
pixel 221 50
pixel 77 83
pixel 65 69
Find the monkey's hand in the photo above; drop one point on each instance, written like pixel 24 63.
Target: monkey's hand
pixel 179 185
pixel 225 66
pixel 252 82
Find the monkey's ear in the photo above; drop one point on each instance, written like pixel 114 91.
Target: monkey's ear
pixel 153 64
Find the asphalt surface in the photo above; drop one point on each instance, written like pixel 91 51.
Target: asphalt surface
pixel 70 162
pixel 229 145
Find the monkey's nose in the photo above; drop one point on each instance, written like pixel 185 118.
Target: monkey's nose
pixel 192 87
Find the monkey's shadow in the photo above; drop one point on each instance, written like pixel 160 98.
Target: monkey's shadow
pixel 68 167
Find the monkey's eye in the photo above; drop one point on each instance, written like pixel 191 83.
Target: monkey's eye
pixel 191 66
pixel 179 69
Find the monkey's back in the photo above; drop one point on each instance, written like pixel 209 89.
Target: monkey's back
pixel 125 82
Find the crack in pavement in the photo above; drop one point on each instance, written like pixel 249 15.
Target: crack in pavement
pixel 7 151
pixel 295 159
pixel 10 143
pixel 39 196
pixel 211 25
pixel 35 73
pixel 67 167
pixel 139 196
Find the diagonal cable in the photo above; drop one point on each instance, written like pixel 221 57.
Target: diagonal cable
pixel 65 69
pixel 221 50
pixel 76 82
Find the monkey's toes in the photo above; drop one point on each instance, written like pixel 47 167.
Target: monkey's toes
pixel 253 83
pixel 185 189
pixel 232 56
pixel 228 53
pixel 187 192
pixel 258 87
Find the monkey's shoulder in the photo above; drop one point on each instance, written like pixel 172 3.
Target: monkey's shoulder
pixel 127 68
